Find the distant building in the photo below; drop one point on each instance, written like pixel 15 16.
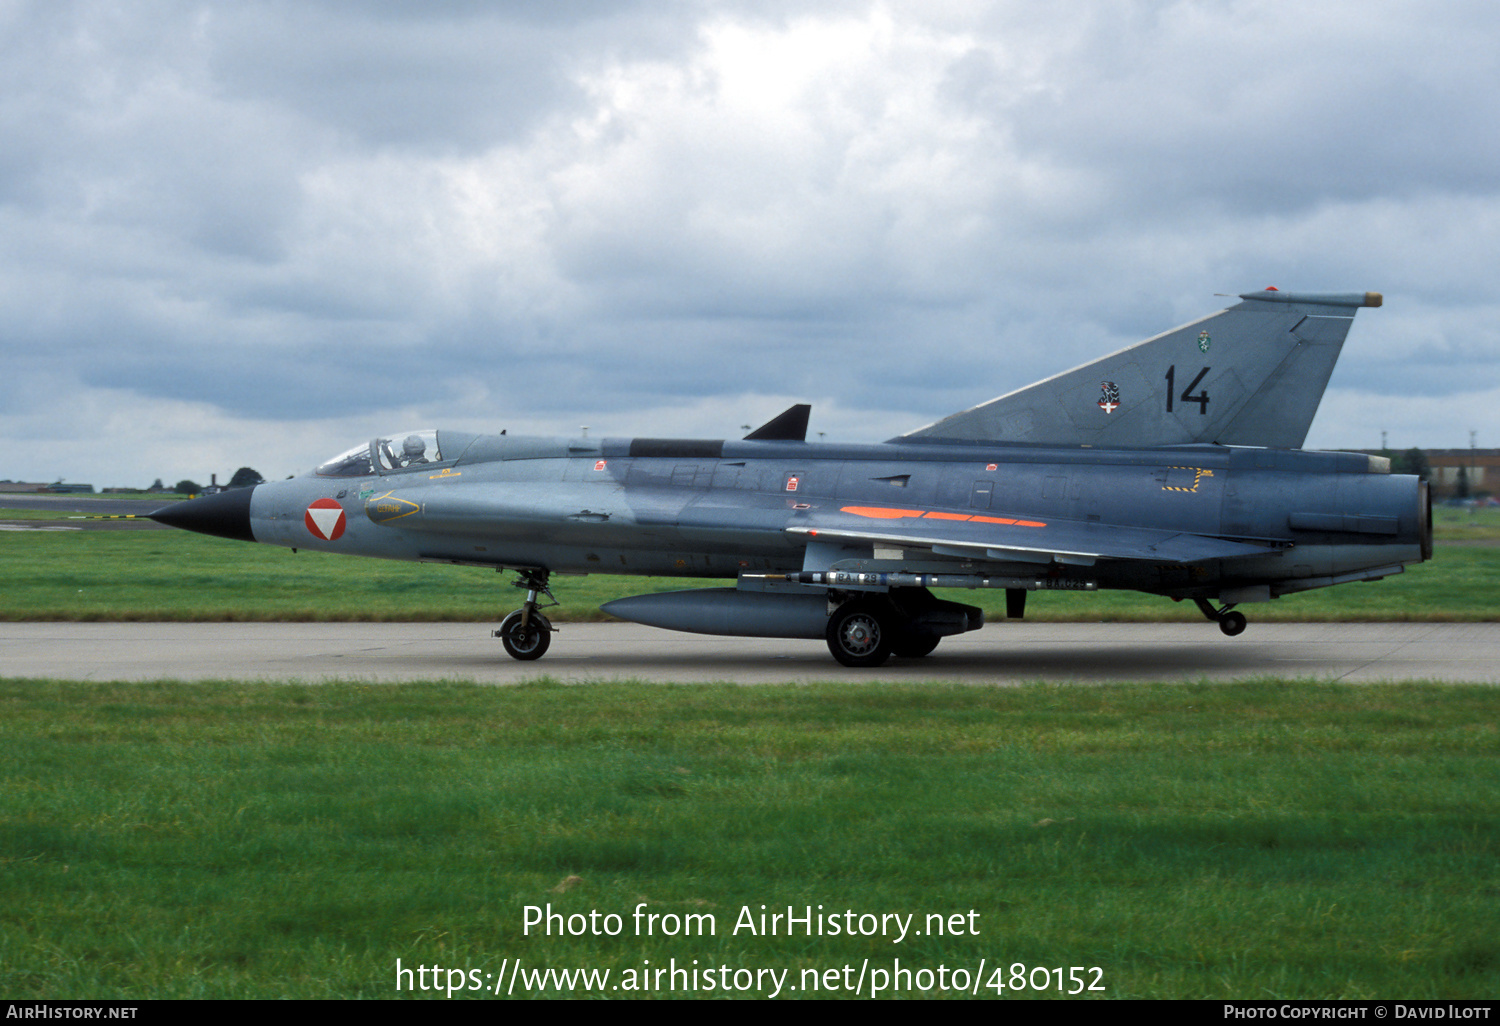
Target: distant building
pixel 55 488
pixel 1482 466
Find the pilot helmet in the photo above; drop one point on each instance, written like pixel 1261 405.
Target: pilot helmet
pixel 413 446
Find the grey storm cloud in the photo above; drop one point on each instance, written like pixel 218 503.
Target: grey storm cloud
pixel 293 219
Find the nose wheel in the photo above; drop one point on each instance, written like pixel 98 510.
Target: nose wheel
pixel 525 637
pixel 1230 621
pixel 526 633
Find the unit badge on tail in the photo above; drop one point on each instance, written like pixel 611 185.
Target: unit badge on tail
pixel 1109 397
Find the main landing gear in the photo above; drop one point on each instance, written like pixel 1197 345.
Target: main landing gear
pixel 1229 621
pixel 865 632
pixel 526 633
pixel 861 634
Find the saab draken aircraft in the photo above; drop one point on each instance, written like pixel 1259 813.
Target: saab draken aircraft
pixel 1172 467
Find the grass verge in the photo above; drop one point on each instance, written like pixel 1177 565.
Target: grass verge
pixel 1267 839
pixel 176 575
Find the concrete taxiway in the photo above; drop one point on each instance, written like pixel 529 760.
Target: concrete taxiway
pixel 1003 653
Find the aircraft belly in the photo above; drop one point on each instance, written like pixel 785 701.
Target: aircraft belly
pixel 589 560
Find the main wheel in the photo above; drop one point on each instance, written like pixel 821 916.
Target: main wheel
pixel 859 634
pixel 914 644
pixel 1232 623
pixel 529 642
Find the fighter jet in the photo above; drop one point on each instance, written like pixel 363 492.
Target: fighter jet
pixel 1171 467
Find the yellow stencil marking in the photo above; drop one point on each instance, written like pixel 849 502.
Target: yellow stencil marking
pixel 1198 475
pixel 388 508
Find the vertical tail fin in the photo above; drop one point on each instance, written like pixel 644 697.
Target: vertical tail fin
pixel 1249 375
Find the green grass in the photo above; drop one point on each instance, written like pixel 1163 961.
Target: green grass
pixel 1451 524
pixel 1257 840
pixel 177 575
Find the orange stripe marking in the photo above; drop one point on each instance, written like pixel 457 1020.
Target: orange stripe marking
pixel 880 513
pixel 886 513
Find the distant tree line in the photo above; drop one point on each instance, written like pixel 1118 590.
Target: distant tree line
pixel 1412 461
pixel 245 477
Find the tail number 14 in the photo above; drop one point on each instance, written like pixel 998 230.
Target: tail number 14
pixel 1187 393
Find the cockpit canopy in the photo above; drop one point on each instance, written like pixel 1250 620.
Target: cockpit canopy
pixel 399 451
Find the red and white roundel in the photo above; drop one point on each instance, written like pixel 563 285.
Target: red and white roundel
pixel 325 519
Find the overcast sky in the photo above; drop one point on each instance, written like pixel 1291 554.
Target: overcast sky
pixel 256 233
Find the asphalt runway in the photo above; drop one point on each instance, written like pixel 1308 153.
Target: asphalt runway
pixel 78 507
pixel 82 525
pixel 1000 654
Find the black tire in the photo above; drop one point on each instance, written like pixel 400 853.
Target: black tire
pixel 528 643
pixel 914 644
pixel 1232 623
pixel 859 634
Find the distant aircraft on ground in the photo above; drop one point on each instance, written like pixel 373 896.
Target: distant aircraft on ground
pixel 1171 467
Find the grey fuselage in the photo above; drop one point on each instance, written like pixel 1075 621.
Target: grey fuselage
pixel 694 508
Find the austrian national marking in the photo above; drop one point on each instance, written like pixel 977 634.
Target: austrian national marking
pixel 325 519
pixel 1198 475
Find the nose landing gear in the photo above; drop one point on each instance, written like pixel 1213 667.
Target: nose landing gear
pixel 526 633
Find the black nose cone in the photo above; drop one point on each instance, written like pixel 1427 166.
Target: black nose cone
pixel 226 514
